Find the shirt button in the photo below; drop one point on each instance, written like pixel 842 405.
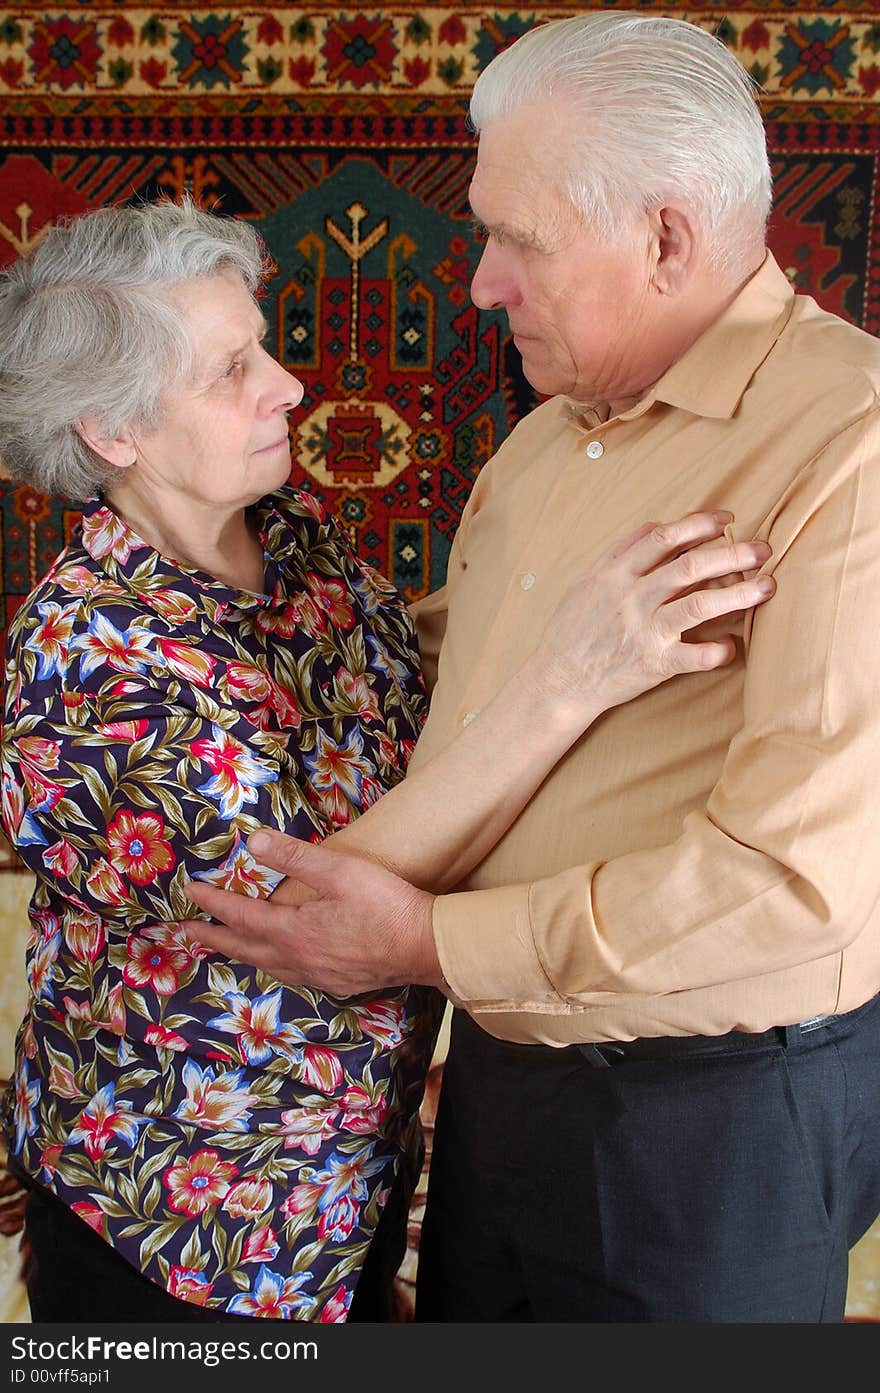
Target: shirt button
pixel 468 717
pixel 595 449
pixel 527 581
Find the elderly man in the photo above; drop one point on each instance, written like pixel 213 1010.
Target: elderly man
pixel 661 1100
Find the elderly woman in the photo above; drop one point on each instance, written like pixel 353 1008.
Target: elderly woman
pixel 208 656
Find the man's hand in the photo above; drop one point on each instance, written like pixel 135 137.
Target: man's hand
pixel 364 928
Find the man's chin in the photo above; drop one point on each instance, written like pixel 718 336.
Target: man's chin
pixel 544 380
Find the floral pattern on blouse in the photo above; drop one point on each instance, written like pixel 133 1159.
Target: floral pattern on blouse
pixel 233 1138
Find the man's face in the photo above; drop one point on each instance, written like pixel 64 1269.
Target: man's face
pixel 580 308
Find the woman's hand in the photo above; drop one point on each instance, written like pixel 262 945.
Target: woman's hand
pixel 621 628
pixel 617 632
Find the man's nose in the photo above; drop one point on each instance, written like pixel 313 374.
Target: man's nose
pixel 491 286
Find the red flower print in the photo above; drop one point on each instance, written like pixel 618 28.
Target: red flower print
pixel 252 684
pixel 85 937
pixel 321 1068
pixel 152 964
pixel 356 692
pixel 301 1198
pixel 261 1246
pixel 330 597
pixel 106 884
pixel 93 1216
pixel 335 1311
pixel 185 661
pixel 116 1013
pixel 49 1158
pixel 382 1021
pixel 198 1183
pixel 60 859
pixel 173 604
pixel 338 1220
pixel 248 1199
pixel 313 505
pixel 163 1037
pixel 103 1122
pixel 137 846
pixel 308 1128
pixel 360 1112
pixel 124 730
pixel 188 1284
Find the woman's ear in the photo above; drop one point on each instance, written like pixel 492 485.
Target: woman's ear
pixel 119 450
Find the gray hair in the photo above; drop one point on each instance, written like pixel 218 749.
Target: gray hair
pixel 89 328
pixel 659 108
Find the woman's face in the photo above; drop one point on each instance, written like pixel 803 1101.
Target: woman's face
pixel 223 440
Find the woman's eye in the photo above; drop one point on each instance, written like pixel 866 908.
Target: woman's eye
pixel 234 369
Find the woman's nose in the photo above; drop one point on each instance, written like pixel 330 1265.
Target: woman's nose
pixel 285 390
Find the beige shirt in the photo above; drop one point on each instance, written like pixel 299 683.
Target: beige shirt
pixel 706 857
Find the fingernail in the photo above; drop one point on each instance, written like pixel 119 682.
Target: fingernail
pixel 766 585
pixel 723 516
pixel 258 842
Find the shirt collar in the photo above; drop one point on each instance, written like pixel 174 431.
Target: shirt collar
pixel 134 564
pixel 711 377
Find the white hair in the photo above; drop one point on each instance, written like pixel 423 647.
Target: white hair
pixel 659 108
pixel 89 328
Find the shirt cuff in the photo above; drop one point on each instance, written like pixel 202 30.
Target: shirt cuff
pixel 487 951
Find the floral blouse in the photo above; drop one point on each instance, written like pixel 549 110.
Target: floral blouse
pixel 233 1138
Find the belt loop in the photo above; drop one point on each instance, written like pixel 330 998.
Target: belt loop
pixel 791 1036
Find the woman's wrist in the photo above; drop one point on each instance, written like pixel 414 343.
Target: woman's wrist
pixel 555 697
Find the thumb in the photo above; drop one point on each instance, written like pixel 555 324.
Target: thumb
pixel 314 865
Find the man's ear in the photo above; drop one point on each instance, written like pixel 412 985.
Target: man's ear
pixel 119 450
pixel 675 241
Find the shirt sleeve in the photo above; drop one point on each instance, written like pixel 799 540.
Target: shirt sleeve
pixel 430 616
pixel 782 864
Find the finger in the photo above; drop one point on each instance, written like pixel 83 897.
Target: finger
pixel 694 568
pixel 701 657
pixel 666 539
pixel 216 936
pixel 702 605
pixel 316 866
pixel 242 914
pixel 248 941
pixel 625 543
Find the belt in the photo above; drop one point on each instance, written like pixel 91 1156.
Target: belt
pixel 615 1052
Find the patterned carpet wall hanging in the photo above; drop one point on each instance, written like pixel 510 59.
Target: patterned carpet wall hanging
pixel 340 132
